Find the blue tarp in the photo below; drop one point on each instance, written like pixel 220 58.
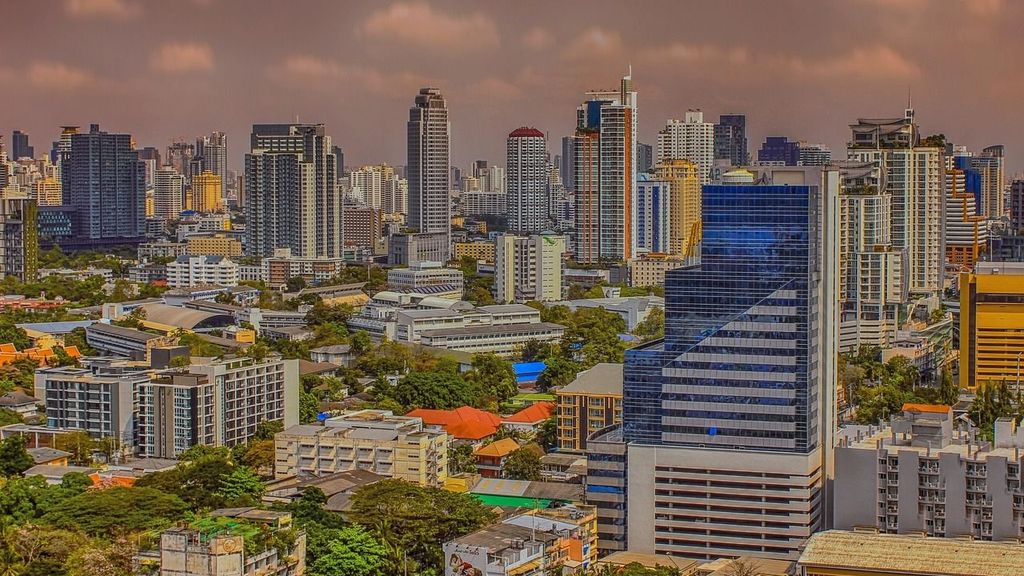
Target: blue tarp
pixel 527 372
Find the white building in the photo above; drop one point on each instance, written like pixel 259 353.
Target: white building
pixel 528 268
pixel 690 139
pixel 652 229
pixel 484 203
pixel 168 190
pixel 188 271
pixel 425 274
pixel 527 188
pixel 428 166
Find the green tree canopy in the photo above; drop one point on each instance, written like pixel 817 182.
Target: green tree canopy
pixel 106 512
pixel 242 487
pixel 436 389
pixel 522 464
pixel 493 376
pixel 14 458
pixel 352 551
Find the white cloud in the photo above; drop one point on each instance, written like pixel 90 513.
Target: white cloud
pixel 115 9
pixel 419 24
pixel 180 58
pixel 58 76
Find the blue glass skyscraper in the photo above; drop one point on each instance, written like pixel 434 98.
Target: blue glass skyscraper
pixel 732 412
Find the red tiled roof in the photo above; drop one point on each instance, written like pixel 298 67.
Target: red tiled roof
pixel 499 449
pixel 465 423
pixel 525 132
pixel 933 408
pixel 532 414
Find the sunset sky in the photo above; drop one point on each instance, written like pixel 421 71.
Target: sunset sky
pixel 166 70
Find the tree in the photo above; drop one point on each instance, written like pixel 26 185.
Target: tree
pixel 106 512
pixel 267 429
pixel 11 333
pixel 197 483
pixel 536 351
pixel 558 373
pixel 522 464
pixel 323 313
pixel 949 391
pixel 360 343
pixel 743 567
pixel 309 407
pixel 259 455
pixel 411 520
pixel 652 327
pixel 878 403
pixel 14 458
pixel 104 559
pixel 202 451
pixel 8 416
pixel 437 390
pixel 241 487
pixel 77 339
pixel 353 552
pixel 461 459
pixel 294 284
pixel 494 376
pixel 547 434
pixel 992 401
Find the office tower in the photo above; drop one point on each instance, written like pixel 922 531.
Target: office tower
pixel 685 208
pixel 567 166
pixel 339 162
pixel 20 147
pixel 150 157
pixel 993 181
pixel 605 160
pixel 991 316
pixel 19 237
pixel 528 268
pixel 215 402
pixel 180 156
pixel 1017 206
pixel 779 151
pixel 873 280
pixel 733 409
pixel 914 178
pixel 168 193
pixel 966 232
pixel 644 158
pixel 927 473
pixel 527 191
pixel 653 215
pixel 731 139
pixel 691 139
pixel 207 192
pixel 104 182
pixel 814 154
pixel 212 152
pixel 429 150
pixel 292 200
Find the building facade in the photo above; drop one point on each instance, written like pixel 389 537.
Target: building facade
pixel 428 167
pixel 207 192
pixel 690 139
pixel 991 318
pixel 653 228
pixel 528 268
pixel 590 403
pixel 993 181
pixel 189 271
pixel 731 139
pixel 685 209
pixel 527 181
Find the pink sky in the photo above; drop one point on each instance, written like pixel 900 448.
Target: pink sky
pixel 166 70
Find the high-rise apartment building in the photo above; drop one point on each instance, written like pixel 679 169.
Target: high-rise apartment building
pixel 605 176
pixel 20 147
pixel 915 181
pixel 1017 207
pixel 292 200
pixel 653 228
pixel 873 280
pixel 966 231
pixel 690 139
pixel 993 181
pixel 104 182
pixel 644 158
pixel 526 196
pixel 528 268
pixel 47 191
pixel 731 139
pixel 19 237
pixel 727 425
pixel 814 154
pixel 168 193
pixel 429 163
pixel 212 152
pixel 567 164
pixel 685 208
pixel 207 192
pixel 779 151
pixel 991 317
pixel 215 402
pixel 180 155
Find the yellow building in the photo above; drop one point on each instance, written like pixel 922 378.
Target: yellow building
pixel 48 192
pixel 992 324
pixel 686 204
pixel 207 192
pixel 479 251
pixel 843 553
pixel 213 245
pixel 650 269
pixel 150 205
pixel 589 403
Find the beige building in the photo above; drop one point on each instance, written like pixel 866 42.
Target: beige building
pixel 684 178
pixel 207 192
pixel 479 251
pixel 374 440
pixel 48 192
pixel 650 269
pixel 214 245
pixel 528 268
pixel 591 402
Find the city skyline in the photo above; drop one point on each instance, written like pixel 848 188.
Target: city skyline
pixel 354 67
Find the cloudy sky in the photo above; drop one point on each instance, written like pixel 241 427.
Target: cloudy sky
pixel 167 70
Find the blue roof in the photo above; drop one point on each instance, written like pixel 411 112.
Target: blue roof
pixel 628 338
pixel 528 371
pixel 56 327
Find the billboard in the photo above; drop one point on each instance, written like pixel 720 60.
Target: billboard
pixel 463 560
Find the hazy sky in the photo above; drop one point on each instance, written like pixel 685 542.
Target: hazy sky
pixel 166 70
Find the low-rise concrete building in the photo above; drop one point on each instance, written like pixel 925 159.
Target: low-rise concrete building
pixel 589 403
pixel 188 271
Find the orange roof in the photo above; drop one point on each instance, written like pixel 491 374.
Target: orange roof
pixel 532 414
pixel 8 348
pixel 933 408
pixel 102 482
pixel 465 423
pixel 499 449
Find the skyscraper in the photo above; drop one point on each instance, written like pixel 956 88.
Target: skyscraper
pixel 20 147
pixel 567 166
pixel 207 192
pixel 527 181
pixel 605 159
pixel 168 193
pixel 731 139
pixel 691 139
pixel 212 152
pixel 915 179
pixel 653 214
pixel 292 198
pixel 726 435
pixel 429 161
pixel 966 231
pixel 685 207
pixel 180 156
pixel 104 181
pixel 644 157
pixel 779 151
pixel 993 182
